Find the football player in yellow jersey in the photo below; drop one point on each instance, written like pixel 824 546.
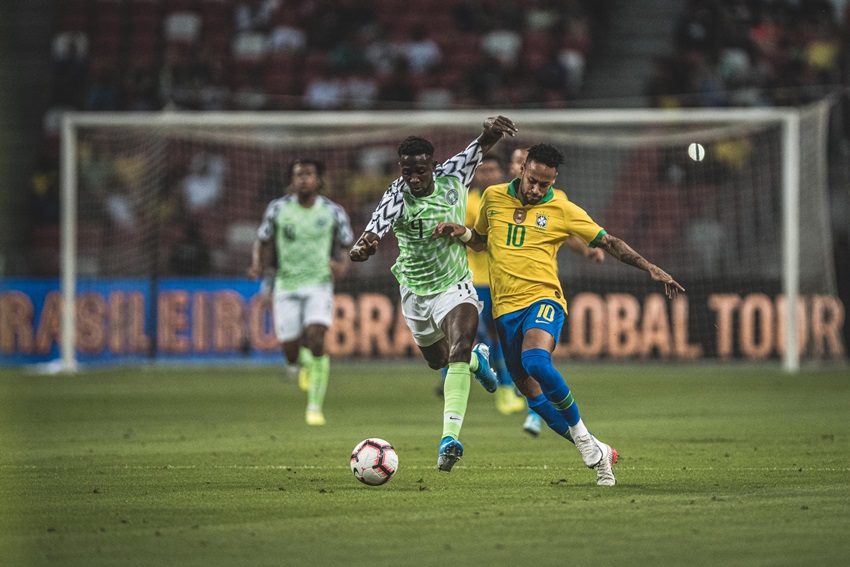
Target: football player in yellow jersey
pixel 532 423
pixel 522 224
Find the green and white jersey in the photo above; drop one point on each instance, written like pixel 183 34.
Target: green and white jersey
pixel 427 266
pixel 304 239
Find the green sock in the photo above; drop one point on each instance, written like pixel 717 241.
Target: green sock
pixel 455 396
pixel 319 371
pixel 473 363
pixel 305 357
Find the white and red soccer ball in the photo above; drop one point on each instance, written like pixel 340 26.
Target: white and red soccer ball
pixel 374 461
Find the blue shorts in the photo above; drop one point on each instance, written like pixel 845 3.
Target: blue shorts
pixel 486 300
pixel 544 314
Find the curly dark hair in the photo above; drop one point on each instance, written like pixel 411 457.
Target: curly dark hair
pixel 414 146
pixel 545 154
pixel 318 164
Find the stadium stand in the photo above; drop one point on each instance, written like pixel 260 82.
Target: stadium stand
pixel 368 54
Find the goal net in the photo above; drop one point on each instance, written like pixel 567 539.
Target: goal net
pixel 171 202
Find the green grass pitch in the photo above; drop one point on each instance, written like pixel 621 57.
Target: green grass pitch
pixel 722 465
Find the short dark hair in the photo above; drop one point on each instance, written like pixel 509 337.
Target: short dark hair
pixel 318 164
pixel 414 146
pixel 545 154
pixel 493 157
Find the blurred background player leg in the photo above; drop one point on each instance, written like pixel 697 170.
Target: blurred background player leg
pixel 305 363
pixel 318 385
pixel 319 312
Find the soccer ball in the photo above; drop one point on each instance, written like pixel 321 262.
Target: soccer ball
pixel 374 461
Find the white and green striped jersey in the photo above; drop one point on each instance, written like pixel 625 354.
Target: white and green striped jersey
pixel 304 239
pixel 424 265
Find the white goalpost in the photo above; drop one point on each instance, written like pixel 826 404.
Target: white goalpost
pixel 762 167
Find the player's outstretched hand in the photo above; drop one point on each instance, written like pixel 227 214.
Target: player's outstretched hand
pixel 595 255
pixel 448 229
pixel 671 286
pixel 362 249
pixel 500 126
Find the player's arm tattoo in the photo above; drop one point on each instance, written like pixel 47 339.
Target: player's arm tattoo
pixel 623 252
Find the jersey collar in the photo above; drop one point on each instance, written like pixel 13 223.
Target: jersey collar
pixel 514 185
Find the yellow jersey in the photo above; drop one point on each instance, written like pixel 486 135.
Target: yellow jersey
pixel 477 260
pixel 522 243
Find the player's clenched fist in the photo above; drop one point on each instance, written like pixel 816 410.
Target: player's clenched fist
pixel 362 249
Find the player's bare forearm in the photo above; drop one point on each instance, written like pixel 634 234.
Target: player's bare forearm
pixel 339 267
pixel 365 246
pixel 261 258
pixel 495 128
pixel 577 245
pixel 465 235
pixel 626 254
pixel 623 252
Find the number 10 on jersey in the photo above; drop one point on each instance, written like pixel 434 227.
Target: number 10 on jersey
pixel 516 235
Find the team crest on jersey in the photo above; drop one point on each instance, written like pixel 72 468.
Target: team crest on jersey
pixel 519 216
pixel 451 196
pixel 541 221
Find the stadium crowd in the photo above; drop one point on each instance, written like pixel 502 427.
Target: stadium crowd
pixel 142 55
pixel 753 53
pixel 321 54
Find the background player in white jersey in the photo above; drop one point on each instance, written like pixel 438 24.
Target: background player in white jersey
pixel 438 299
pixel 309 233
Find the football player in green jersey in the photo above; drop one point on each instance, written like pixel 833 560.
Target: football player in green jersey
pixel 438 299
pixel 310 234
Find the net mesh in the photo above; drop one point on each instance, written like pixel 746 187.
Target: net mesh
pixel 160 201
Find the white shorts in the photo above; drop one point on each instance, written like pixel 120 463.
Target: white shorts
pixel 425 313
pixel 295 310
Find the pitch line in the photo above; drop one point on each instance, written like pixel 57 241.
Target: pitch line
pixel 13 467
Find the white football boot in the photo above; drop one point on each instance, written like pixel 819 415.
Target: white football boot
pixel 599 456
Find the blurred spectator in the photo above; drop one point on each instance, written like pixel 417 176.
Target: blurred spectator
pixel 287 38
pixel 325 91
pixel 472 16
pixel 551 73
pixel 212 92
pixel 203 187
pixel 325 24
pixel 141 91
pixel 484 78
pixel 102 94
pixel 44 192
pixel 696 28
pixel 542 15
pixel 254 15
pixel 398 91
pixel 121 210
pixel 360 88
pixel 504 45
pixel 190 256
pixel 422 52
pixel 96 167
pixel 70 63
